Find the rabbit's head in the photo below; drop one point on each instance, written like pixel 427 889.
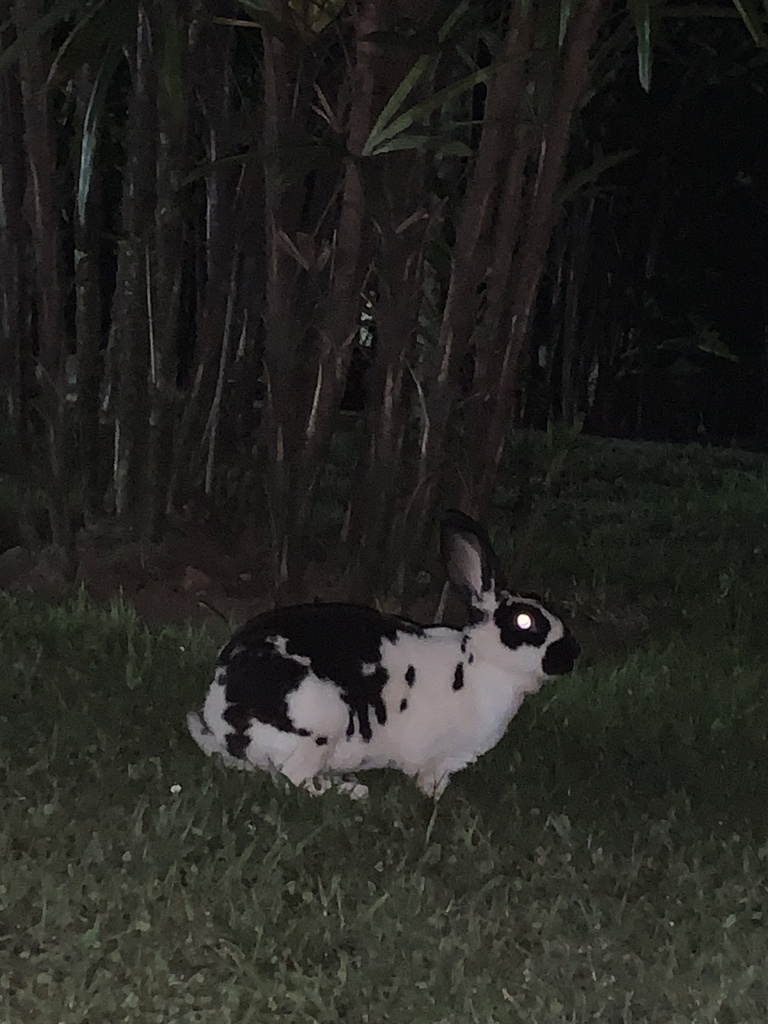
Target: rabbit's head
pixel 508 629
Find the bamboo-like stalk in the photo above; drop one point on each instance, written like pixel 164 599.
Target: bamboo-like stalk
pixel 43 213
pixel 88 319
pixel 15 342
pixel 486 435
pixel 212 428
pixel 128 351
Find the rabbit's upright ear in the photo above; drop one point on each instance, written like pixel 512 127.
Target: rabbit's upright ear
pixel 469 559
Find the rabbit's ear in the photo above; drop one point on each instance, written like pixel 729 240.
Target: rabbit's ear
pixel 469 559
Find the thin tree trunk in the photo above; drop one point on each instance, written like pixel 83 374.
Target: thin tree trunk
pixel 284 102
pixel 88 320
pixel 401 220
pixel 42 211
pixel 469 262
pixel 169 27
pixel 129 338
pixel 15 338
pixel 306 373
pixel 486 433
pixel 218 285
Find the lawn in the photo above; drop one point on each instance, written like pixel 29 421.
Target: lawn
pixel 606 862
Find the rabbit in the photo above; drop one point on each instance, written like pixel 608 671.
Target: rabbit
pixel 317 690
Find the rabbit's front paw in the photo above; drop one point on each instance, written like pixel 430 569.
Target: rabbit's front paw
pixel 316 787
pixel 354 790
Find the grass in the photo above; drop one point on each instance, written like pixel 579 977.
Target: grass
pixel 606 862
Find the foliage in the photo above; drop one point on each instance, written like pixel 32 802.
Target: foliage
pixel 364 191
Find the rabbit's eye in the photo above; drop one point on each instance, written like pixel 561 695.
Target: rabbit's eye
pixel 524 621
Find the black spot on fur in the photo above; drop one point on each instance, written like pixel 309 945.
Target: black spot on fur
pixel 362 711
pixel 257 682
pixel 476 616
pixel 403 704
pixel 561 656
pixel 464 641
pixel 337 642
pixel 302 732
pixel 237 744
pixel 458 677
pixel 239 717
pixel 410 675
pixel 321 741
pixel 471 658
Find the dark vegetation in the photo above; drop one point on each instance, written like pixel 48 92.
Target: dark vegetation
pixel 246 244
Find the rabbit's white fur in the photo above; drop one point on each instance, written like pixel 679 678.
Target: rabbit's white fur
pixel 425 700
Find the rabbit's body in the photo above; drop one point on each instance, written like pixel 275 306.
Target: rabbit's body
pixel 319 690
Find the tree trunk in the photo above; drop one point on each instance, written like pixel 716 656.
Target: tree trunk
pixel 468 266
pixel 401 219
pixel 42 212
pixel 306 368
pixel 221 255
pixel 15 334
pixel 486 431
pixel 88 321
pixel 169 26
pixel 129 339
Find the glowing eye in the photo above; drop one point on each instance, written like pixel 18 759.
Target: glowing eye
pixel 523 620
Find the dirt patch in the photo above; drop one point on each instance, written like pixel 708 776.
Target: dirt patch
pixel 181 578
pixel 198 572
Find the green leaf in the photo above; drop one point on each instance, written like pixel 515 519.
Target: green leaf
pixel 91 124
pixel 566 9
pixel 753 18
pixel 423 65
pixel 111 22
pixel 592 173
pixel 452 20
pixel 422 143
pixel 642 17
pixel 263 18
pixel 384 130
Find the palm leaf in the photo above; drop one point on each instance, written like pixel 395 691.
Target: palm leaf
pixel 388 128
pixel 440 145
pixel 423 65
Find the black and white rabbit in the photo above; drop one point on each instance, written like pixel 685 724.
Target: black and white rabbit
pixel 317 690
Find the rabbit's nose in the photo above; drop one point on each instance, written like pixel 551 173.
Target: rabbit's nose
pixel 561 656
